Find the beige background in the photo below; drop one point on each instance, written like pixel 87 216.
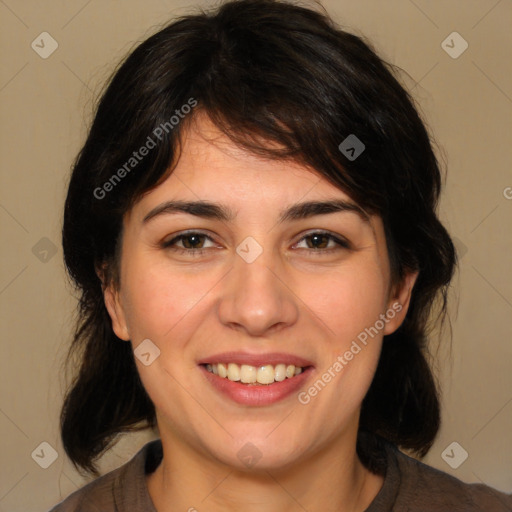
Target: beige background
pixel 46 105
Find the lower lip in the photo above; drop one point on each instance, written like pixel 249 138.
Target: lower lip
pixel 263 394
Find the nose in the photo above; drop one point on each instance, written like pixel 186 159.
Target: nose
pixel 256 298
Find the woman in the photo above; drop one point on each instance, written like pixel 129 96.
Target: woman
pixel 252 226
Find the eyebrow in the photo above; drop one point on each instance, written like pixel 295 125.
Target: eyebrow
pixel 215 211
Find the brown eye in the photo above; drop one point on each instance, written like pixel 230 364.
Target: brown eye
pixel 320 241
pixel 192 242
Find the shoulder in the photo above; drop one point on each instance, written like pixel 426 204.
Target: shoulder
pixel 430 489
pixel 95 496
pixel 124 485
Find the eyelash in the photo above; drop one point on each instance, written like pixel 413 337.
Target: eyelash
pixel 342 244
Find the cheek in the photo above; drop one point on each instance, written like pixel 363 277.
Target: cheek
pixel 158 299
pixel 347 301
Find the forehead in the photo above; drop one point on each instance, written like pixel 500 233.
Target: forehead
pixel 210 166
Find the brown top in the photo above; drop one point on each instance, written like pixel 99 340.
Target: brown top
pixel 409 486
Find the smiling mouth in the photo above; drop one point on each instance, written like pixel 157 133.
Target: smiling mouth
pixel 255 375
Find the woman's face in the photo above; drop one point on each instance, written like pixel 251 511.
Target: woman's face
pixel 264 278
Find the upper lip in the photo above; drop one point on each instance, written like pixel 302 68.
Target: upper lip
pixel 240 358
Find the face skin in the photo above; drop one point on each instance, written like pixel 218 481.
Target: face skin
pixel 294 298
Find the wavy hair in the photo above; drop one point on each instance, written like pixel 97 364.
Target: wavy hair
pixel 263 71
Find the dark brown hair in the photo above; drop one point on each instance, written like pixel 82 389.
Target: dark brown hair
pixel 263 71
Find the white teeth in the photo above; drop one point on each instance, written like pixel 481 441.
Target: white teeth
pixel 266 374
pixel 233 372
pixel 222 370
pixel 280 372
pixel 248 374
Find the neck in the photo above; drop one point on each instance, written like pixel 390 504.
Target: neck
pixel 332 479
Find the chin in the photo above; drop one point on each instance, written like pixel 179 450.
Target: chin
pixel 258 452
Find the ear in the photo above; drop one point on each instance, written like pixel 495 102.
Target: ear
pixel 398 303
pixel 114 307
